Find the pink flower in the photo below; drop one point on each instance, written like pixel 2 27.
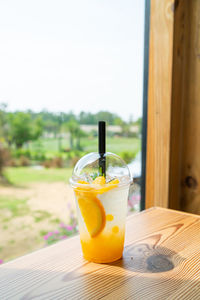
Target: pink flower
pixel 56 232
pixel 47 235
pixel 63 237
pixel 130 203
pixel 1 261
pixel 135 199
pixel 62 225
pixel 69 227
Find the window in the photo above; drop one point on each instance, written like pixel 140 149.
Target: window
pixel 64 66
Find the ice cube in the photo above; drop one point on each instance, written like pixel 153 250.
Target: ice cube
pixel 109 178
pixel 124 179
pixel 86 177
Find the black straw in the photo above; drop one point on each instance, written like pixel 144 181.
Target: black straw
pixel 102 147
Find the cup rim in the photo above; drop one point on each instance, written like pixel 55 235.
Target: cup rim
pixel 75 184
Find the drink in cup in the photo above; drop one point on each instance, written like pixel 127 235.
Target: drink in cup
pixel 101 192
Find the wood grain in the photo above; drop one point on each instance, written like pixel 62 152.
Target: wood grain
pixel 161 261
pixel 190 194
pixel 177 105
pixel 159 102
pixel 184 187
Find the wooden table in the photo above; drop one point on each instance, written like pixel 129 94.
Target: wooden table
pixel 161 261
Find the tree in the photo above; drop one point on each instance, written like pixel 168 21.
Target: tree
pixel 23 129
pixel 139 123
pixel 79 134
pixel 125 129
pixel 76 133
pixel 106 116
pixel 3 122
pixel 4 157
pixel 72 127
pixel 92 119
pixel 86 118
pixel 118 121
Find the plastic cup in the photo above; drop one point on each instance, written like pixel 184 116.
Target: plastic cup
pixel 101 203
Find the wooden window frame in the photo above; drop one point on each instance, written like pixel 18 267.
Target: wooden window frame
pixel 171 141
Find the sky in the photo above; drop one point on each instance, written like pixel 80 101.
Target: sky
pixel 72 55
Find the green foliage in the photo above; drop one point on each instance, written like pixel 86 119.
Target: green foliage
pixel 17 153
pixel 3 122
pixel 43 232
pixel 92 119
pixel 4 158
pixel 56 162
pixel 25 175
pixel 114 144
pixel 11 242
pixel 53 121
pixel 40 215
pixel 75 131
pixel 127 156
pixel 30 154
pixel 23 129
pixel 139 123
pixel 64 231
pixel 125 129
pixel 24 161
pixel 48 155
pixel 118 121
pixel 23 133
pixel 17 207
pixel 55 221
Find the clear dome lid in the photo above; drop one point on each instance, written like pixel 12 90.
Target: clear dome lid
pixel 87 169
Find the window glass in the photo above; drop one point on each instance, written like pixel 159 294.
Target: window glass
pixel 64 65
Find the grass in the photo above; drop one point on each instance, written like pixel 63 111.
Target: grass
pixel 40 215
pixel 43 232
pixel 17 207
pixel 114 144
pixel 55 221
pixel 25 175
pixel 47 144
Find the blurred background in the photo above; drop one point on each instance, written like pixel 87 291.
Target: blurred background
pixel 65 65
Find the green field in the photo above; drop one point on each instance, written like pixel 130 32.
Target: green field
pixel 114 144
pixel 25 175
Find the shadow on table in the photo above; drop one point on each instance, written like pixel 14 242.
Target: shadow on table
pixel 146 258
pixel 144 272
pixel 102 283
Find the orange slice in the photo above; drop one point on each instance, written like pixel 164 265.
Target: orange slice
pixel 109 186
pixel 93 213
pixel 82 190
pixel 99 180
pixel 83 182
pixel 114 181
pixel 92 210
pixel 90 206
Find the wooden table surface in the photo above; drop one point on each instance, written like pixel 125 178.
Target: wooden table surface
pixel 161 261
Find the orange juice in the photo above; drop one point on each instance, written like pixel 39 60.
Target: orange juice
pixel 101 209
